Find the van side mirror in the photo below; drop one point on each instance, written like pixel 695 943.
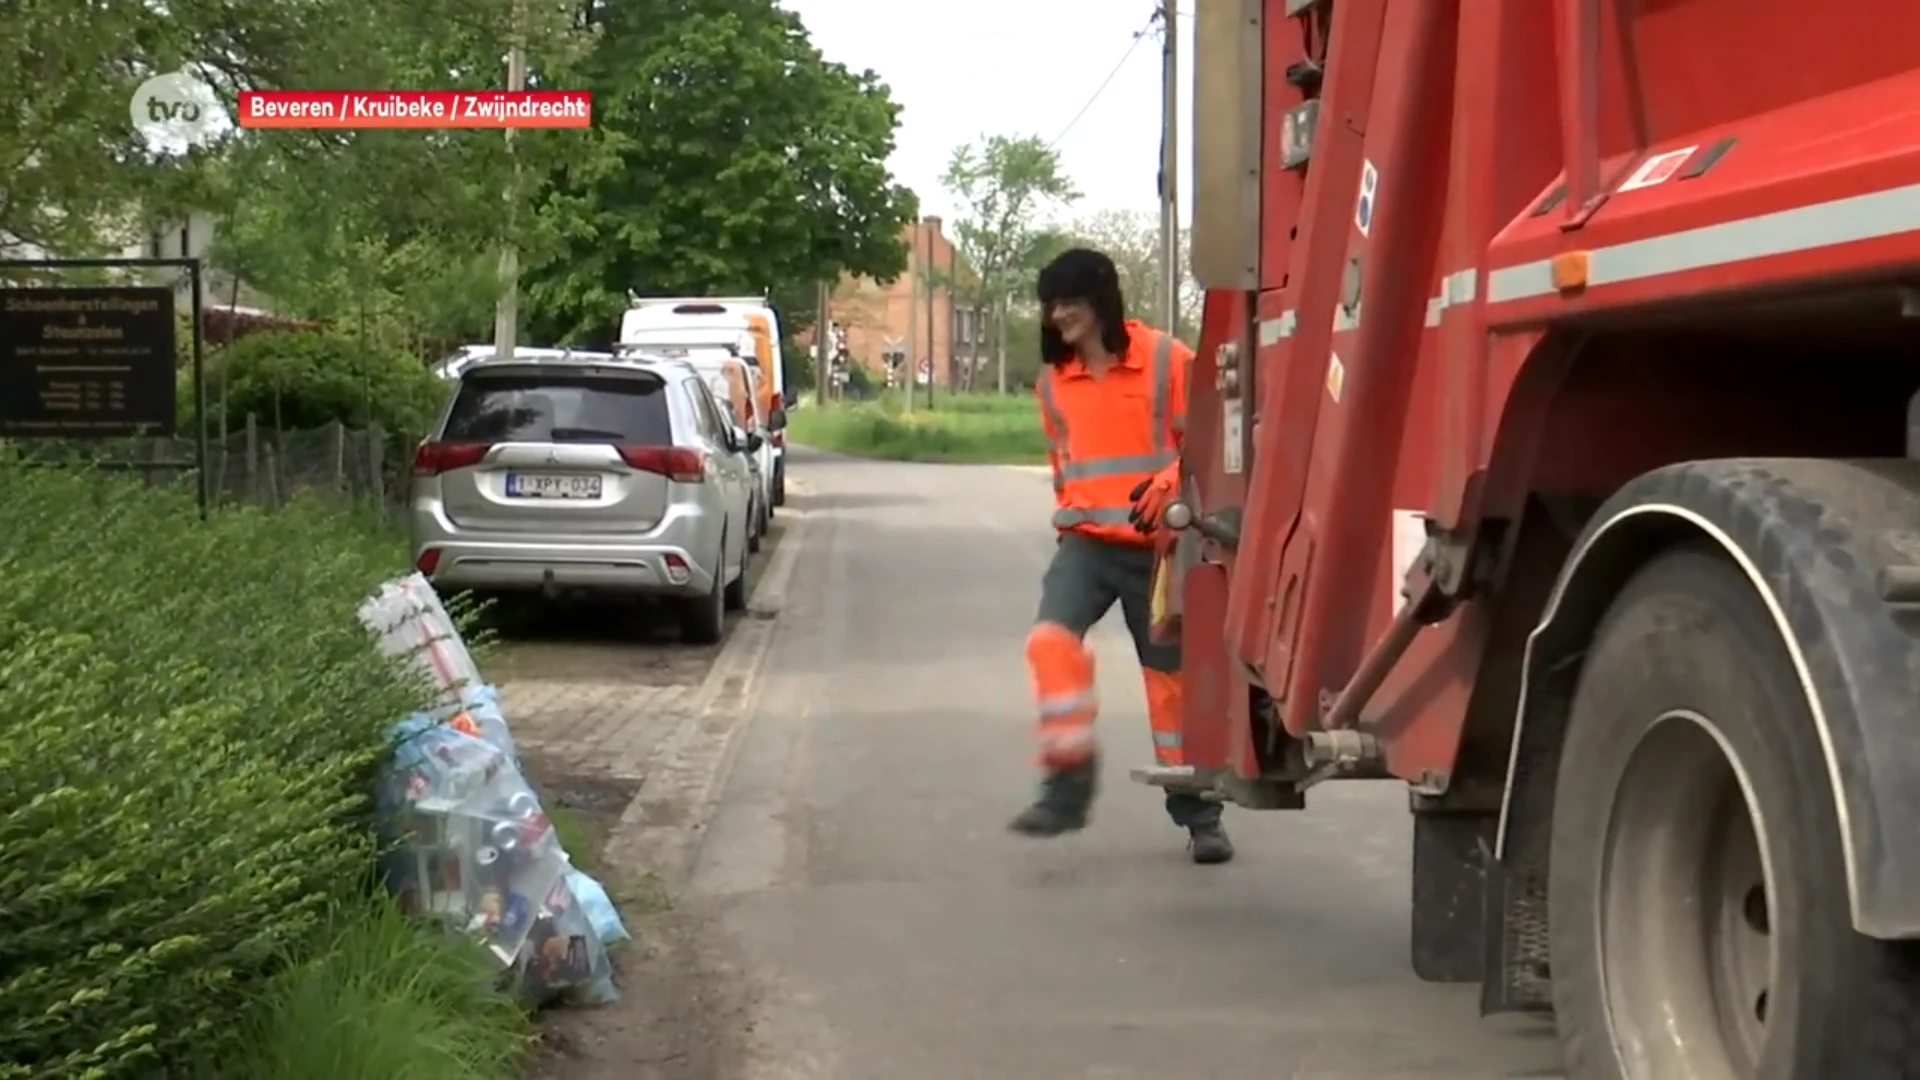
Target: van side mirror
pixel 755 441
pixel 778 421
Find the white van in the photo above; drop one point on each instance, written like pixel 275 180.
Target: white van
pixel 746 324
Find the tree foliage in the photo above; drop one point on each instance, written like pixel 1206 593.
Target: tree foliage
pixel 728 156
pixel 1006 186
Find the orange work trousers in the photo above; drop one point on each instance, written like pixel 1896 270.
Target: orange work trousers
pixel 1084 580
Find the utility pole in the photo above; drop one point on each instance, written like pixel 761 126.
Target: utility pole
pixel 1000 339
pixel 957 378
pixel 1170 165
pixel 912 362
pixel 931 289
pixel 506 312
pixel 823 342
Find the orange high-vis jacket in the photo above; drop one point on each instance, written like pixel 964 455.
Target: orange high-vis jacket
pixel 1106 434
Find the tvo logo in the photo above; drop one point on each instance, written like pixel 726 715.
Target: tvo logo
pixel 176 110
pixel 167 112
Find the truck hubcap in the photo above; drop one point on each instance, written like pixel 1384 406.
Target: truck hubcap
pixel 1685 916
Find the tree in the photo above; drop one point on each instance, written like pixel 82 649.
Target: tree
pixel 72 168
pixel 727 156
pixel 395 231
pixel 1006 184
pixel 1131 238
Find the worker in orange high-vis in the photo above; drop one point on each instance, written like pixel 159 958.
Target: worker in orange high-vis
pixel 1113 397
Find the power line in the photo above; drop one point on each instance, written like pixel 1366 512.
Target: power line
pixel 1138 36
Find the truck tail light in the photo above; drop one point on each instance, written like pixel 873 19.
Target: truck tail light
pixel 673 462
pixel 434 458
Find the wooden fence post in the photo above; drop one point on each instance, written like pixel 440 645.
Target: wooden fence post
pixel 376 465
pixel 252 465
pixel 160 462
pixel 270 473
pixel 337 456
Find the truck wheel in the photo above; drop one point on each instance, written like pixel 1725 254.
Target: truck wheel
pixel 780 481
pixel 1697 898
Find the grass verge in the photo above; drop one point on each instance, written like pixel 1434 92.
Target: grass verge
pixel 191 722
pixel 984 429
pixel 383 999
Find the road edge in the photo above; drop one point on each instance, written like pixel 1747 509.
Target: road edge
pixel 660 831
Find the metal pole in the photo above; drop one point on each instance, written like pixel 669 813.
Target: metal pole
pixel 1000 338
pixel 199 394
pixel 912 362
pixel 822 342
pixel 931 366
pixel 1170 166
pixel 506 312
pixel 955 379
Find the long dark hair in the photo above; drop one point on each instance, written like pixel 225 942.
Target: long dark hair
pixel 1082 274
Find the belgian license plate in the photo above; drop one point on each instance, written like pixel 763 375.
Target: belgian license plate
pixel 550 486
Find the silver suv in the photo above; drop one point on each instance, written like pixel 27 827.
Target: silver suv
pixel 587 473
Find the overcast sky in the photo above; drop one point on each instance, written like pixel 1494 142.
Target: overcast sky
pixel 1014 67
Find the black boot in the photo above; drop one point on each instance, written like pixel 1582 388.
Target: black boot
pixel 1066 798
pixel 1207 843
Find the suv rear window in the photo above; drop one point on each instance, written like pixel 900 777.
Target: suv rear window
pixel 557 407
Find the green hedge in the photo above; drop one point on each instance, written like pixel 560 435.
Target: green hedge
pixel 192 718
pixel 302 381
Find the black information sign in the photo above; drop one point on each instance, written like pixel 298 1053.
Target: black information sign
pixel 86 362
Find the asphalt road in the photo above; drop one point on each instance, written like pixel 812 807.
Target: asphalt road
pixel 859 875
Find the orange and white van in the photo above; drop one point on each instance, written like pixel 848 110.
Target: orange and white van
pixel 746 324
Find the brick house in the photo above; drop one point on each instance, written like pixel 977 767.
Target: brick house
pixel 876 322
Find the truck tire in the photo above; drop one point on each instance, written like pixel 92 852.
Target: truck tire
pixel 1697 896
pixel 780 480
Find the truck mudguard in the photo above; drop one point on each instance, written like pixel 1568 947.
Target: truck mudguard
pixel 1833 548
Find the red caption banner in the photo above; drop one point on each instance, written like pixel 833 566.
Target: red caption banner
pixel 416 109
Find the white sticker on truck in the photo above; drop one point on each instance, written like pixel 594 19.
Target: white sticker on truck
pixel 1363 206
pixel 1232 437
pixel 1657 169
pixel 1409 529
pixel 1336 377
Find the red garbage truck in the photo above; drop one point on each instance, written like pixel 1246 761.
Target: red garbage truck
pixel 1554 449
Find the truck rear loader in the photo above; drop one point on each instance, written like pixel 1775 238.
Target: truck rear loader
pixel 1554 449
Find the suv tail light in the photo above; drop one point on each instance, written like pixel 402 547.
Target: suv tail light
pixel 673 462
pixel 434 458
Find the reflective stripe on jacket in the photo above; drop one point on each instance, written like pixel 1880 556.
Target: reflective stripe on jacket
pixel 1107 434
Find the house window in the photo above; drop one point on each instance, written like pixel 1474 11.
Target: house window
pixel 185 247
pixel 153 244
